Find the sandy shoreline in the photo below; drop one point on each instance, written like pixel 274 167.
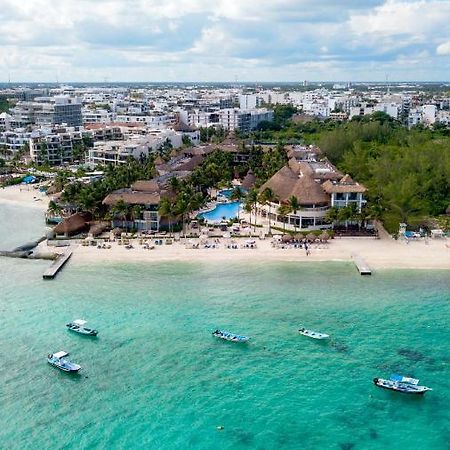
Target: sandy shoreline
pixel 379 254
pixel 24 195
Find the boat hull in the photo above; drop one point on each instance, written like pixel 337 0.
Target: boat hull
pixel 73 369
pixel 403 389
pixel 231 337
pixel 313 334
pixel 81 330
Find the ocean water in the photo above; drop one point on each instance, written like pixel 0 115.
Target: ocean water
pixel 156 379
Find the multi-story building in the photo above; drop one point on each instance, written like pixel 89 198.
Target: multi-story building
pixel 14 141
pixel 48 111
pixel 96 116
pixel 56 147
pixel 135 146
pixel 316 184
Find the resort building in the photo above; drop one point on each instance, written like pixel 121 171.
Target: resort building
pixel 296 179
pixel 48 111
pixel 135 146
pixel 146 195
pixel 345 192
pixel 316 184
pixel 55 147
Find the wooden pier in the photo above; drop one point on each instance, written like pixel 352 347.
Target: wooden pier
pixel 361 265
pixel 57 265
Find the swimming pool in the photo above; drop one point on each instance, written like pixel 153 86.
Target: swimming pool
pixel 221 211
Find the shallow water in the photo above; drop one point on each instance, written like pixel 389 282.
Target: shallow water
pixel 156 378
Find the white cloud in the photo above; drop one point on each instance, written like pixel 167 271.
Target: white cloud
pixel 443 49
pixel 284 39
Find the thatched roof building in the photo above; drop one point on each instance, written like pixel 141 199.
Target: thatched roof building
pixel 146 186
pixel 293 181
pixel 132 197
pixel 345 184
pixel 182 127
pixel 98 228
pixel 74 224
pixel 249 180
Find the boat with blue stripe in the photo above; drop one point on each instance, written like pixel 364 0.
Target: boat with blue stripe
pixel 400 383
pixel 227 336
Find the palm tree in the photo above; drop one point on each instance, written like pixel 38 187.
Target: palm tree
pixel 121 209
pixel 267 197
pixel 294 206
pixel 181 209
pixel 136 212
pixel 345 214
pixel 174 184
pixel 166 209
pixel 332 215
pixel 283 212
pixel 237 195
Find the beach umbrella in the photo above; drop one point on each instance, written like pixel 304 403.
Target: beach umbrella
pixel 299 236
pixel 286 238
pixel 116 231
pixel 324 236
pixel 311 237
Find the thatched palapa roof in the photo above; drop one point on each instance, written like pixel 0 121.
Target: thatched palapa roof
pixel 146 186
pixel 183 127
pixel 76 223
pixel 288 182
pixel 132 197
pixel 249 180
pixel 345 184
pixel 98 228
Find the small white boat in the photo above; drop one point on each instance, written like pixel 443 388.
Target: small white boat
pixel 78 326
pixel 59 360
pixel 313 334
pixel 225 335
pixel 402 384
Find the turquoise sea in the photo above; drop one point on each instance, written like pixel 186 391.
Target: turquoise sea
pixel 156 379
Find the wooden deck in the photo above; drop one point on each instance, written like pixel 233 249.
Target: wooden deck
pixel 57 265
pixel 361 265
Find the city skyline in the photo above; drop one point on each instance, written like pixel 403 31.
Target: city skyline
pixel 183 41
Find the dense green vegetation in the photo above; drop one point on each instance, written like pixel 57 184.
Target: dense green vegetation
pixel 4 104
pixel 90 196
pixel 407 172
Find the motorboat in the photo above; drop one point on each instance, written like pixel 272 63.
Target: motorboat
pixel 313 334
pixel 59 360
pixel 78 326
pixel 230 336
pixel 402 384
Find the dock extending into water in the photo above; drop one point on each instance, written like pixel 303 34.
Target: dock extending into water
pixel 361 265
pixel 57 265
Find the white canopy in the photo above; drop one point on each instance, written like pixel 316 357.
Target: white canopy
pixel 80 322
pixel 60 354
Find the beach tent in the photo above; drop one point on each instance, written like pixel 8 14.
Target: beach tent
pixel 30 179
pixel 324 236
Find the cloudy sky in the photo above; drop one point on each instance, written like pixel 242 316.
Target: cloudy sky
pixel 224 40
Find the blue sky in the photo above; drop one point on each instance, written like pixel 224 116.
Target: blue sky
pixel 221 40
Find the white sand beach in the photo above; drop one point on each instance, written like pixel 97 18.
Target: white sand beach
pixel 24 195
pixel 378 254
